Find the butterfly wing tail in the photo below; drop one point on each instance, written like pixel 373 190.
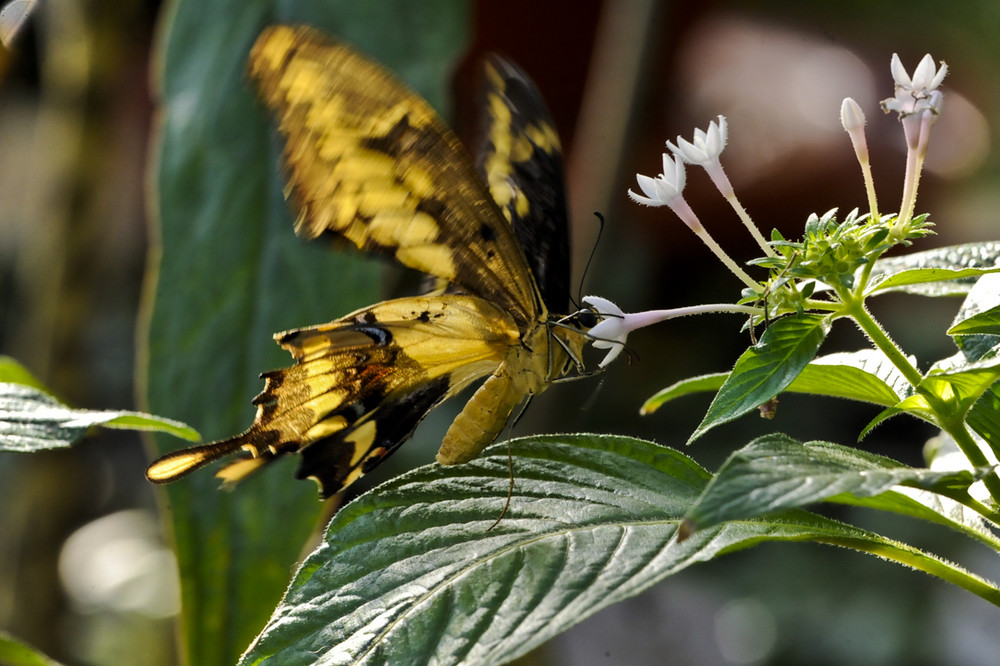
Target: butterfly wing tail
pixel 178 464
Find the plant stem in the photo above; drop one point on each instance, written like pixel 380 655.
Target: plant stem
pixel 726 260
pixel 855 308
pixel 971 449
pixel 954 427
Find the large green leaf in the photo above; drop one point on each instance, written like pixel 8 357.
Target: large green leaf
pixel 231 273
pixel 952 258
pixel 766 369
pixel 776 472
pixel 413 573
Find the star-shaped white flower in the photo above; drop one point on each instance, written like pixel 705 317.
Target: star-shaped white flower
pixel 662 190
pixel 706 147
pixel 913 96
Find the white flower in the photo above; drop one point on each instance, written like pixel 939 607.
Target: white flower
pixel 706 147
pixel 615 325
pixel 610 332
pixel 663 189
pixel 925 77
pixel 918 94
pixel 613 328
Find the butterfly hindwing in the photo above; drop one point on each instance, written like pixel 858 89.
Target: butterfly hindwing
pixel 361 384
pixel 370 161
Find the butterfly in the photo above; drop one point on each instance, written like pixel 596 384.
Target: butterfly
pixel 370 162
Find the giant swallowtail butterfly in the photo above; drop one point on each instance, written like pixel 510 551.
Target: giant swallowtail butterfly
pixel 369 161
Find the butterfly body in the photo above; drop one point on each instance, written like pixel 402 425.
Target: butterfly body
pixel 370 162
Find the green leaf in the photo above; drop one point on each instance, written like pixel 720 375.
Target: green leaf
pixel 962 386
pixel 763 371
pixel 684 387
pixel 975 329
pixel 987 322
pixel 776 472
pixel 231 273
pixel 984 419
pixel 914 405
pixel 948 391
pixel 865 375
pixel 861 375
pixel 929 507
pixel 16 653
pixel 12 372
pixel 413 573
pixel 32 420
pixel 953 258
pixel 921 276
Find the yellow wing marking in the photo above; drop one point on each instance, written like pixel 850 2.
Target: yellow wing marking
pixel 511 147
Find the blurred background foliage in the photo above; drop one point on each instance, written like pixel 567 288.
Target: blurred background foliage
pixel 86 576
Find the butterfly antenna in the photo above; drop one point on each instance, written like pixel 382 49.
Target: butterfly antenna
pixel 590 259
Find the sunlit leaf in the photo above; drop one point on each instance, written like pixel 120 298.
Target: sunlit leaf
pixel 953 258
pixel 917 276
pixel 12 372
pixel 776 472
pixel 861 375
pixel 17 653
pixel 987 322
pixel 32 420
pixel 682 388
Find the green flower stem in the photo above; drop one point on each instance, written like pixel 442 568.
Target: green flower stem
pixel 748 223
pixel 725 259
pixel 866 171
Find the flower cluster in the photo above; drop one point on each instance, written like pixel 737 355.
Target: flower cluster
pixel 831 253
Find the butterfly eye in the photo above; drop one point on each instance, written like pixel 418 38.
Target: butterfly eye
pixel 586 318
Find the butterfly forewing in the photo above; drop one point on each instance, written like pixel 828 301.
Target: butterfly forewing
pixel 370 161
